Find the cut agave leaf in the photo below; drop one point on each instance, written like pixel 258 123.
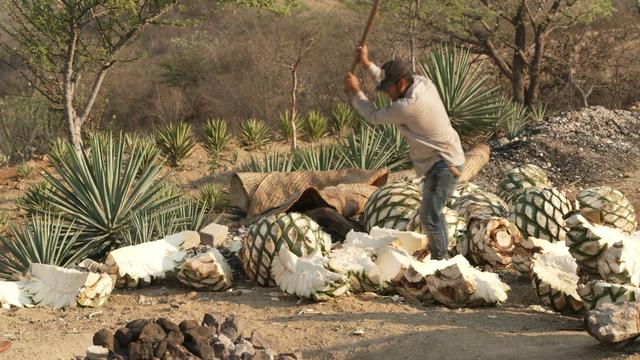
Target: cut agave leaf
pixel 307 276
pixel 356 263
pixel 619 263
pixel 596 292
pixel 12 293
pixel 152 259
pixel 461 285
pixel 412 283
pixel 62 288
pixel 587 241
pixel 493 242
pixel 526 248
pixel 207 271
pixel 555 279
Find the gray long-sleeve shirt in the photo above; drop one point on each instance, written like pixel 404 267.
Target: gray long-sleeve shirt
pixel 422 118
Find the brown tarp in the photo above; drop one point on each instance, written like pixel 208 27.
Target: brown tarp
pixel 259 194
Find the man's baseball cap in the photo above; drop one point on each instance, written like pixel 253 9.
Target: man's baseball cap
pixel 393 71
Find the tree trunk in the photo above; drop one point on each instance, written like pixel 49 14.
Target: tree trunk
pixel 73 122
pixel 533 92
pixel 519 65
pixel 414 26
pixel 294 107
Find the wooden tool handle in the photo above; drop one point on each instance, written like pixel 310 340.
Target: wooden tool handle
pixel 365 35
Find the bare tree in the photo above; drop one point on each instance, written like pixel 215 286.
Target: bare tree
pixel 293 49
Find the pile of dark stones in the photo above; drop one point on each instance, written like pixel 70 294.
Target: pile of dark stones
pixel 215 337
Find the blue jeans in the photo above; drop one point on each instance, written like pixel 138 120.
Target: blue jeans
pixel 439 184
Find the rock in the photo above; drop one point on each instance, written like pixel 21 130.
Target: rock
pixel 614 324
pixel 260 342
pixel 213 320
pixel 140 351
pixel 179 352
pixel 161 348
pixel 187 324
pixel 175 338
pixel 203 351
pixel 244 347
pixel 263 354
pixel 214 235
pixel 96 352
pixel 223 346
pixel 168 325
pixel 199 331
pixel 136 327
pixel 104 338
pixel 231 327
pixel 152 333
pixel 123 337
pixel 191 239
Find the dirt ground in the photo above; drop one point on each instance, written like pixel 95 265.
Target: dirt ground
pixel 391 329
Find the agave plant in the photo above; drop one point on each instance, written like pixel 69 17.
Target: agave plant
pixel 343 118
pixel 254 134
pixel 99 190
pixel 472 104
pixel 401 152
pixel 270 162
pixel 59 150
pixel 44 239
pixel 369 149
pixel 25 171
pixel 189 214
pixel 284 125
pixel 321 158
pixel 37 199
pixel 315 125
pixel 176 142
pixel 514 119
pixel 213 196
pixel 216 137
pixel 538 112
pixel 145 145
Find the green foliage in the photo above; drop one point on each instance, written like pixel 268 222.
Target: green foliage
pixel 27 126
pixel 100 188
pixel 213 196
pixel 44 239
pixel 514 119
pixel 217 137
pixel 144 145
pixel 176 141
pixel 318 158
pixel 368 148
pixel 59 150
pixel 471 103
pixel 343 119
pixel 270 162
pixel 254 134
pixel 37 199
pixel 284 125
pixel 538 112
pixel 315 126
pixel 4 223
pixel 25 171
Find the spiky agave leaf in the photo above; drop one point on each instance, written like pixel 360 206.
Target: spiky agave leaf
pixel 307 276
pixel 275 161
pixel 216 137
pixel 554 278
pixel 265 238
pixel 616 209
pixel 315 125
pixel 391 206
pixel 254 134
pixel 321 158
pixel 596 292
pixel 514 118
pixel 43 239
pixel 101 188
pixel 368 149
pixel 285 127
pixel 342 119
pixel 36 200
pixel 206 271
pixel 176 141
pixel 472 104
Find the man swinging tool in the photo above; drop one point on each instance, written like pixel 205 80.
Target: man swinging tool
pixel 435 146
